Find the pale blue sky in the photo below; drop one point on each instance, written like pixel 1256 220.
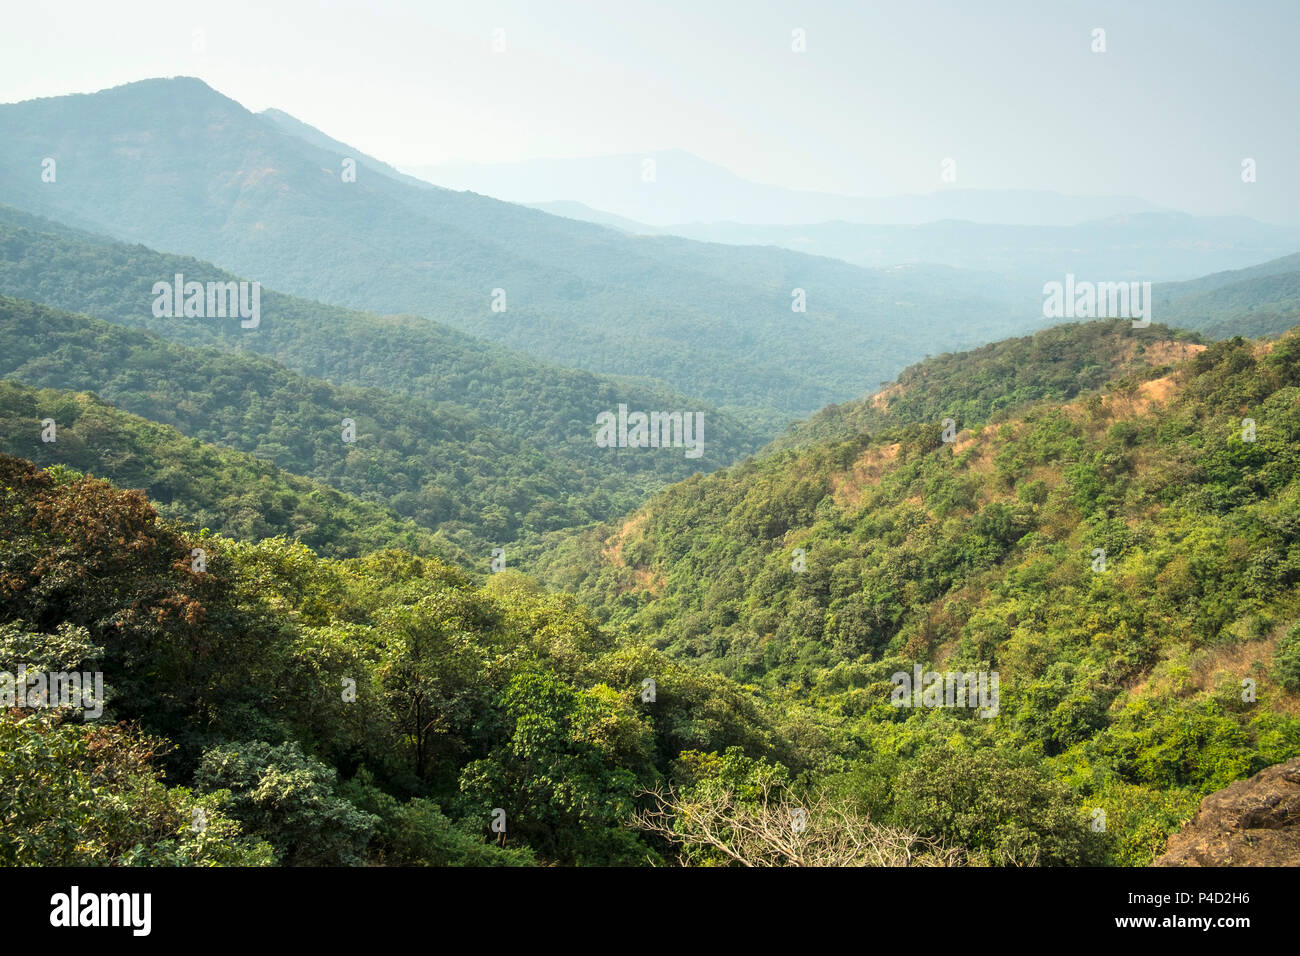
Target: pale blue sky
pixel 885 91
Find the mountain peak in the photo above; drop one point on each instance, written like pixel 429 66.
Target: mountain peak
pixel 168 93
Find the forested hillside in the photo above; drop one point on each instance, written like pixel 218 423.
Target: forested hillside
pixel 277 707
pixel 176 165
pixel 311 711
pixel 532 401
pixel 1125 560
pixel 1260 300
pixel 970 387
pixel 438 464
pixel 198 484
pixel 601 443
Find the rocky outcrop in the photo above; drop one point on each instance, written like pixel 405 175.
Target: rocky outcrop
pixel 1253 822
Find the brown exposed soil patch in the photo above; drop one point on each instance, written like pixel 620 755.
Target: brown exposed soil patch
pixel 882 398
pixel 964 441
pixel 847 487
pixel 1158 390
pixel 1163 353
pixel 613 551
pixel 641 578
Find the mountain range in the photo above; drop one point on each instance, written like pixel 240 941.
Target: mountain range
pixel 364 588
pixel 177 166
pixel 1146 246
pixel 666 187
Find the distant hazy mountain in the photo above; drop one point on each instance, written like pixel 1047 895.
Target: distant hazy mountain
pixel 1279 266
pixel 177 166
pixel 687 189
pixel 1261 300
pixel 1154 246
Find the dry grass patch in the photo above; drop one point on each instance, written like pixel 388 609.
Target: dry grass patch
pixel 641 578
pixel 847 487
pixel 880 401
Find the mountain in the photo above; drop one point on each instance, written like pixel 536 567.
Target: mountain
pixel 973 387
pixel 177 166
pixel 688 189
pixel 1029 605
pixel 1260 300
pixel 310 134
pixel 1063 361
pixel 576 210
pixel 1280 266
pixel 1144 246
pixel 1120 687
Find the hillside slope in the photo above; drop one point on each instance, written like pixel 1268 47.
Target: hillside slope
pixel 437 464
pixel 971 387
pixel 198 484
pixel 1261 300
pixel 1127 561
pixel 467 698
pixel 531 401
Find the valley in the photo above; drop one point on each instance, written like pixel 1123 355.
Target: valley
pixel 408 526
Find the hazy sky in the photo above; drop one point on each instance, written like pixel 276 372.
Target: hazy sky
pixel 885 91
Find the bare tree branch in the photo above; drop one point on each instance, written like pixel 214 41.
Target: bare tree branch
pixel 775 828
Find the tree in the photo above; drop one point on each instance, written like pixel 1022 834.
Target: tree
pixel 743 812
pixel 290 800
pixel 567 773
pixel 77 794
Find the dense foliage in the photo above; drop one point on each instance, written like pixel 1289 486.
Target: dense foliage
pixel 1139 678
pixel 379 709
pixel 547 406
pixel 438 465
pixel 281 706
pixel 188 481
